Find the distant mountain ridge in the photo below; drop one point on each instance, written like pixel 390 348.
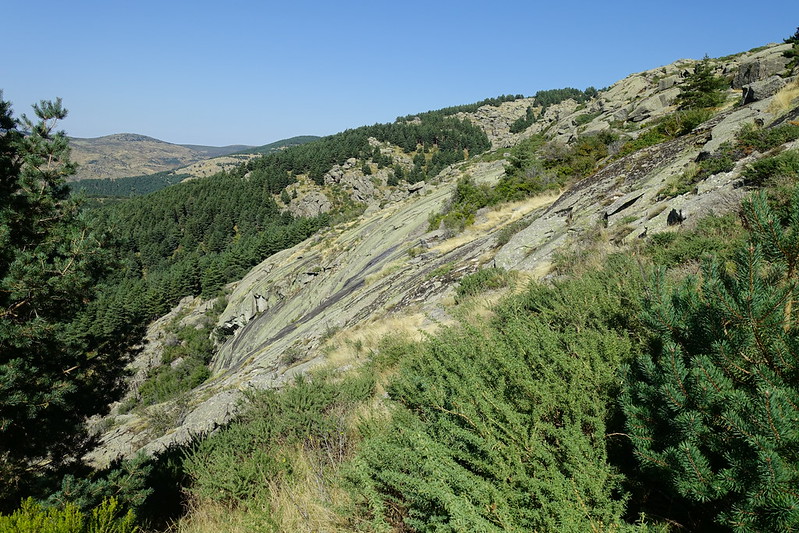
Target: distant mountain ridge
pixel 129 154
pixel 122 155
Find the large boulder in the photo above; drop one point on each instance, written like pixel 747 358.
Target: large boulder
pixel 759 90
pixel 759 68
pixel 310 205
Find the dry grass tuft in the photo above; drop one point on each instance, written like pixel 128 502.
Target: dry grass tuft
pixel 785 99
pixel 353 346
pixel 213 517
pixel 492 220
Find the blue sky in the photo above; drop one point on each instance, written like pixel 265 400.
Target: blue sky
pixel 248 72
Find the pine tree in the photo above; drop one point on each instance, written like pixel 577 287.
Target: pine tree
pixel 51 376
pixel 713 410
pixel 702 88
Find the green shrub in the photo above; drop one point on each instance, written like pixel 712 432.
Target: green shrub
pixel 711 406
pixel 504 235
pixel 522 123
pixel 702 89
pixel 236 463
pixel 184 367
pixel 751 138
pixel 483 280
pixel 669 127
pixel 784 165
pixel 585 118
pixel 713 235
pixel 32 517
pixel 683 122
pixel 650 137
pixel 502 428
pixel 466 199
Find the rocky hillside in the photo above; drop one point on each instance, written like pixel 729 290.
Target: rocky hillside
pixel 388 271
pixel 127 154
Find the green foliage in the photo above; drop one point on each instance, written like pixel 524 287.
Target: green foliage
pixel 234 464
pixel 485 279
pixel 466 199
pixel 467 108
pixel 550 97
pixel 579 159
pixel 715 236
pixel 683 121
pixel 128 481
pixel 536 166
pixel 712 406
pixel 436 129
pixel 585 118
pixel 702 88
pixel 524 122
pixel 669 127
pixel 125 187
pixel 184 367
pixel 504 235
pixel 32 517
pixel 770 169
pixel 280 145
pixel 503 428
pixel 751 138
pixel 52 376
pixel 793 55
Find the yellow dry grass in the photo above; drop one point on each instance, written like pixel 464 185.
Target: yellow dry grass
pixel 306 501
pixel 494 219
pixel 212 517
pixel 785 99
pixel 353 346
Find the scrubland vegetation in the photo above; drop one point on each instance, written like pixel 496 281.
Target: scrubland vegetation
pixel 653 387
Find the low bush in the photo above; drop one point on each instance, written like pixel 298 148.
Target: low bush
pixel 184 367
pixel 505 234
pixel 713 235
pixel 32 517
pixel 238 463
pixel 751 138
pixel 770 169
pixel 483 280
pixel 503 428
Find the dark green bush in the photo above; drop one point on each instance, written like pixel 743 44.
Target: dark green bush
pixel 711 406
pixel 466 199
pixel 504 235
pixel 702 89
pixel 483 280
pixel 751 138
pixel 524 122
pixel 713 235
pixel 503 428
pixel 768 169
pixel 585 118
pixel 183 367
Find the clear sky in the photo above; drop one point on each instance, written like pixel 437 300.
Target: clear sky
pixel 249 72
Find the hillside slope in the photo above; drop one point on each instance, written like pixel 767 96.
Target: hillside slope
pixel 127 154
pixel 388 270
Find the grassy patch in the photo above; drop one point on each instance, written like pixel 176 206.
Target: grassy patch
pixel 483 280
